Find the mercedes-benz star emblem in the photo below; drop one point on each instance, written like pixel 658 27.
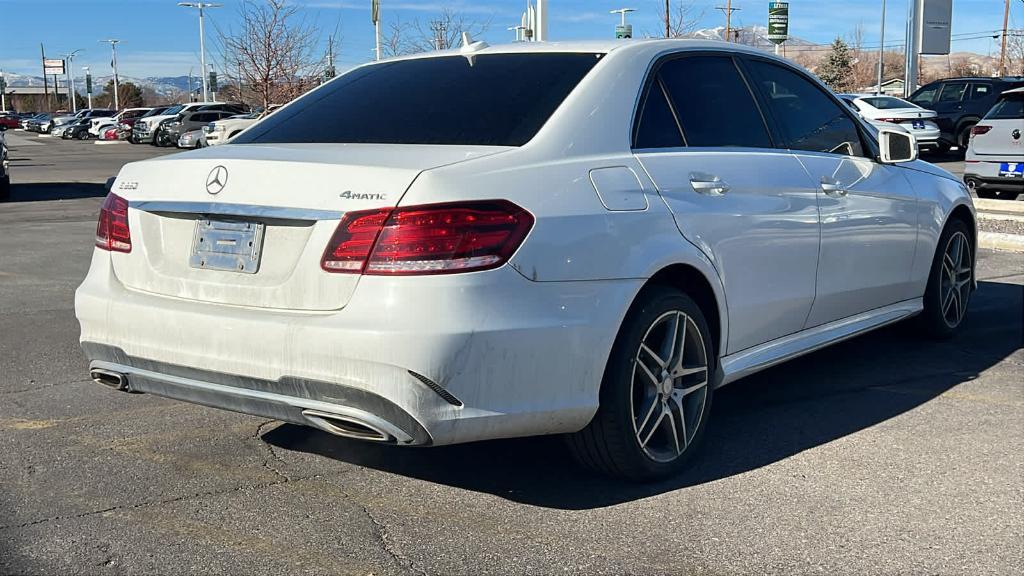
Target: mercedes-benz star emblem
pixel 217 180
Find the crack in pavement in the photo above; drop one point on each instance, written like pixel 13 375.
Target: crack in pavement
pixel 382 534
pixel 149 504
pixel 272 455
pixel 43 387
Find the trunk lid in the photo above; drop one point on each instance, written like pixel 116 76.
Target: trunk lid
pixel 999 141
pixel 287 199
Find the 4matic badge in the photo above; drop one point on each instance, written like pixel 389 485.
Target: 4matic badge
pixel 350 195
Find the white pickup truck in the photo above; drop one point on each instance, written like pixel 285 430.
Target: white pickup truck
pixel 221 131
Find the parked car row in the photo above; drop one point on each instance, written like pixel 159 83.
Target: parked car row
pixel 166 128
pixel 5 174
pixel 960 103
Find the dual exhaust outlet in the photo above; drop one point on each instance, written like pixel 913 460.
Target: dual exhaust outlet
pixel 336 424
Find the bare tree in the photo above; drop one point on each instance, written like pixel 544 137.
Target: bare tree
pixel 275 49
pixel 440 33
pixel 684 19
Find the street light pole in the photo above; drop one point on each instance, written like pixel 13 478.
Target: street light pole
pixel 881 52
pixel 202 40
pixel 113 64
pixel 71 80
pixel 88 88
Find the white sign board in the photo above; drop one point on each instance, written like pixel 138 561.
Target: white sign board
pixel 934 25
pixel 53 66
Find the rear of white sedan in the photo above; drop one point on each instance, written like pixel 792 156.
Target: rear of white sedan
pixel 888 109
pixel 346 265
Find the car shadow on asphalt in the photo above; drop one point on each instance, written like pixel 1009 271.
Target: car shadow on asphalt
pixel 42 191
pixel 755 422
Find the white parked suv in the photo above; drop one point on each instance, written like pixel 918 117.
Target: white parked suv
pixel 99 125
pixel 582 238
pixel 994 164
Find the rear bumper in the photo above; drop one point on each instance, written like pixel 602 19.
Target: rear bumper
pixel 456 358
pixel 994 183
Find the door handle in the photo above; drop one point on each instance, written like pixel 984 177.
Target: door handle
pixel 832 188
pixel 708 184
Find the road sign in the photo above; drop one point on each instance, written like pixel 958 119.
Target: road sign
pixel 53 66
pixel 778 22
pixel 213 81
pixel 624 31
pixel 88 83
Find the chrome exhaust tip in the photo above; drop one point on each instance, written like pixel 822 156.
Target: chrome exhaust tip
pixel 346 426
pixel 114 380
pixel 972 183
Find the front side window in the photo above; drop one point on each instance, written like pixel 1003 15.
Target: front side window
pixel 926 95
pixel 486 100
pixel 808 119
pixel 713 103
pixel 952 92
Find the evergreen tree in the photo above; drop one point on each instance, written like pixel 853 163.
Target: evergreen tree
pixel 837 70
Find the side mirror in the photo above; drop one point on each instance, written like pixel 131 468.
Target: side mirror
pixel 896 146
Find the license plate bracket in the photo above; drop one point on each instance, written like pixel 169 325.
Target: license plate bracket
pixel 228 245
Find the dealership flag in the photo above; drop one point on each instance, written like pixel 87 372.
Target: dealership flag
pixel 375 11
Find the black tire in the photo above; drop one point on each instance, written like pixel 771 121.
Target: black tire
pixel 963 137
pixel 5 188
pixel 934 320
pixel 610 443
pixel 83 135
pixel 941 149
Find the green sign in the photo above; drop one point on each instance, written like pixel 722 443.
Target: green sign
pixel 624 31
pixel 3 84
pixel 778 22
pixel 88 83
pixel 213 81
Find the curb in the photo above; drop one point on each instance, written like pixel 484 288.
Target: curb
pixel 999 205
pixel 107 142
pixel 1001 241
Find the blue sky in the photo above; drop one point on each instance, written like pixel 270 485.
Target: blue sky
pixel 161 39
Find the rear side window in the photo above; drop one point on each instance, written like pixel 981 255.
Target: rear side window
pixel 979 91
pixel 1009 107
pixel 490 100
pixel 888 103
pixel 953 92
pixel 713 103
pixel 657 127
pixel 807 118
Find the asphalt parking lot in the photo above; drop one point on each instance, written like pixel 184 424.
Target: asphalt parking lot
pixel 882 455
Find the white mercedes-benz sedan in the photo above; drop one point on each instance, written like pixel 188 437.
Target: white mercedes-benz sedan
pixel 547 238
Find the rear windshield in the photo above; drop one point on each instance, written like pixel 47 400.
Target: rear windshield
pixel 489 100
pixel 1009 107
pixel 888 103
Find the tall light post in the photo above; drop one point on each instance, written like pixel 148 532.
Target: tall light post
pixel 113 64
pixel 88 85
pixel 71 79
pixel 881 51
pixel 202 39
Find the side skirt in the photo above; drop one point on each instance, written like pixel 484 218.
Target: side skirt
pixel 752 360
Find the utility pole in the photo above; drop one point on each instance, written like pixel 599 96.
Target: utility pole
pixel 3 92
pixel 113 64
pixel 202 40
pixel 46 88
pixel 1002 51
pixel 728 10
pixel 668 19
pixel 881 52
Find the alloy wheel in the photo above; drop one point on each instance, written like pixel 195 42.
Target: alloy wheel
pixel 955 279
pixel 669 386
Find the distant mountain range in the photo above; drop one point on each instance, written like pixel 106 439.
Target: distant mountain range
pixel 170 87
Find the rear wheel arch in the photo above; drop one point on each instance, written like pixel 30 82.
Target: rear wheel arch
pixel 696 285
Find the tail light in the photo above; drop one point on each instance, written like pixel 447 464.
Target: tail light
pixel 431 239
pixel 893 120
pixel 980 129
pixel 112 231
